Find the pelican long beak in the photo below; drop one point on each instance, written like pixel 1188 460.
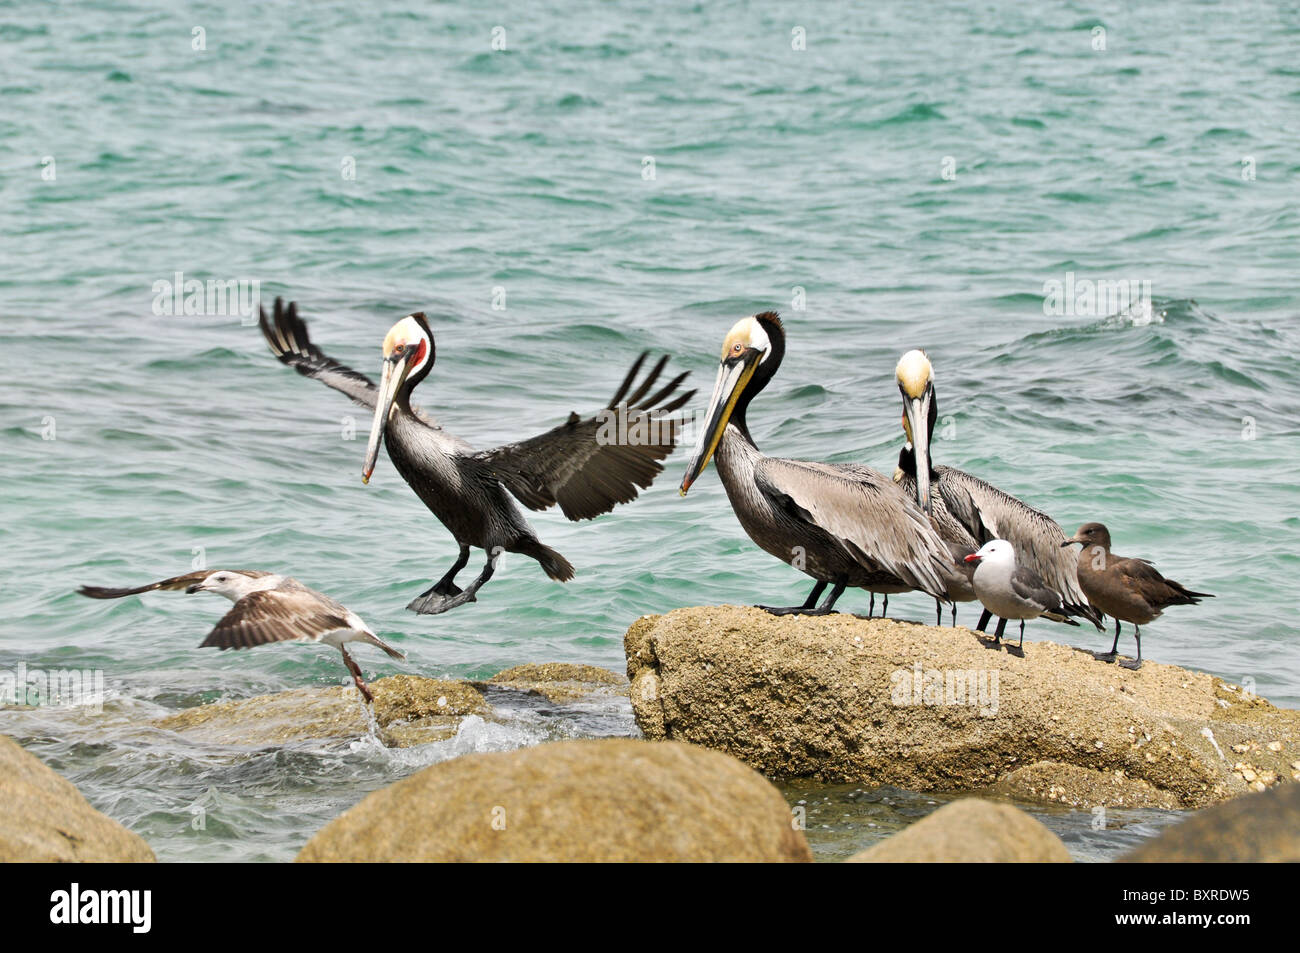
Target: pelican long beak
pixel 916 416
pixel 394 375
pixel 733 375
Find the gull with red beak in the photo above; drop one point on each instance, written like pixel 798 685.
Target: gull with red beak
pixel 586 465
pixel 843 524
pixel 268 608
pixel 1011 591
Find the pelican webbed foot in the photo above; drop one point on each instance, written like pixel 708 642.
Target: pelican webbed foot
pixel 445 595
pixel 1104 656
pixel 1131 664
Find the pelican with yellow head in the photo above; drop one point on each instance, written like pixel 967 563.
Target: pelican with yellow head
pixel 843 524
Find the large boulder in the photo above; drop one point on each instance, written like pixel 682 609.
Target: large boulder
pixel 614 799
pixel 972 831
pixel 845 699
pixel 408 710
pixel 1257 828
pixel 44 819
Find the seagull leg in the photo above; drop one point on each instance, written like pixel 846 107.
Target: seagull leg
pixel 1110 656
pixel 444 590
pixel 432 603
pixel 809 606
pixel 985 618
pixel 1135 665
pixel 356 676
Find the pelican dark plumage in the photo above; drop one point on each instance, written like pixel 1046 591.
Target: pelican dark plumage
pixel 268 608
pixel 843 524
pixel 586 465
pixel 970 512
pixel 1125 588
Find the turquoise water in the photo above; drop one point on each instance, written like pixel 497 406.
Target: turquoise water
pixel 524 170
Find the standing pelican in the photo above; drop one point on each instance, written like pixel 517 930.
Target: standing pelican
pixel 268 608
pixel 1125 587
pixel 844 524
pixel 962 502
pixel 587 466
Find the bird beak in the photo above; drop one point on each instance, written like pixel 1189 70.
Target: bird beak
pixel 733 375
pixel 197 587
pixel 916 414
pixel 974 558
pixel 394 375
pixel 1071 540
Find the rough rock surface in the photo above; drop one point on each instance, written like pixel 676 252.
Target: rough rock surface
pixel 846 699
pixel 971 830
pixel 614 799
pixel 1257 828
pixel 409 710
pixel 560 681
pixel 44 818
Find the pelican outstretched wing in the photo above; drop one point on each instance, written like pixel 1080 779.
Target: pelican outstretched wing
pixel 286 333
pixel 589 466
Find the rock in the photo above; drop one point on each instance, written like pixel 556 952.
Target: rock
pixel 844 699
pixel 44 818
pixel 614 799
pixel 561 681
pixel 1083 788
pixel 972 831
pixel 1257 828
pixel 409 710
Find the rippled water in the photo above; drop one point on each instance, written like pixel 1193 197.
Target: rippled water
pixel 781 177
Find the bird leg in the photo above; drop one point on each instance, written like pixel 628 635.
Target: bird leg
pixel 884 610
pixel 1022 634
pixel 446 594
pixel 997 635
pixel 809 606
pixel 938 612
pixel 1137 664
pixel 871 606
pixel 954 614
pixel 983 623
pixel 1110 656
pixel 356 676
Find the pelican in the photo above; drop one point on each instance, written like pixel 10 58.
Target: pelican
pixel 1012 591
pixel 970 512
pixel 268 608
pixel 843 524
pixel 1125 587
pixel 587 466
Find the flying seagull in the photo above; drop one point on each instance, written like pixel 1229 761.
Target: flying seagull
pixel 268 608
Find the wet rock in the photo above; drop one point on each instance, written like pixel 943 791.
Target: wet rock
pixel 612 799
pixel 409 710
pixel 1082 788
pixel 561 681
pixel 1257 828
pixel 971 830
pixel 44 818
pixel 846 699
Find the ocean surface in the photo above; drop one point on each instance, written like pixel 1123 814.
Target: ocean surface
pixel 617 178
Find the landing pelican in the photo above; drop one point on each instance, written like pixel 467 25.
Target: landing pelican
pixel 587 466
